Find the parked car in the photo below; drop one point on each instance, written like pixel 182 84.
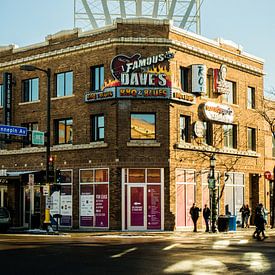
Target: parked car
pixel 5 219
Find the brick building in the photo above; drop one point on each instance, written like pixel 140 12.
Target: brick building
pixel 138 109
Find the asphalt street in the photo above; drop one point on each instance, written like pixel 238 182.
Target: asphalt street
pixel 138 253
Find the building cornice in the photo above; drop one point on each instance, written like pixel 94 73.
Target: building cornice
pixel 132 41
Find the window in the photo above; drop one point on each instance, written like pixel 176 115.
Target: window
pixel 185 128
pixel 143 126
pixel 64 84
pixel 230 136
pixel 208 138
pixel 31 126
pixel 234 194
pixel 30 90
pixel 273 146
pixel 251 139
pixel 97 128
pixel 64 131
pixel 250 98
pixel 1 95
pixel 184 73
pixel 231 96
pixel 97 77
pixel 209 85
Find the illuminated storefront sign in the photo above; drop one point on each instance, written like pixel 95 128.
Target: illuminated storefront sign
pixel 199 78
pixel 218 112
pixel 221 86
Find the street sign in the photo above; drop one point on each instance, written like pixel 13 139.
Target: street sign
pixel 267 175
pixel 13 130
pixel 37 138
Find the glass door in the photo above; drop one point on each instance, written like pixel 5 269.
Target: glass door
pixel 137 216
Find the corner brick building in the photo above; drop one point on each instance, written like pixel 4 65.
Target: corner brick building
pixel 137 111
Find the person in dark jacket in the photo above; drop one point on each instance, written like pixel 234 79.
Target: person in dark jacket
pixel 242 210
pixel 206 215
pixel 194 212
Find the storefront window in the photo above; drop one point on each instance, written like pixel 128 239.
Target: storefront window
pixel 153 176
pixel 136 175
pixel 94 198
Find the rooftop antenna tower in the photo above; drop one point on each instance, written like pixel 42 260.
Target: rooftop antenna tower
pixel 93 14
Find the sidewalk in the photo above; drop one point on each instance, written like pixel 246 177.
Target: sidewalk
pixel 80 233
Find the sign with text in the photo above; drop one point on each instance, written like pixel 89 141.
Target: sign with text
pixel 38 138
pixel 199 77
pixel 13 130
pixel 153 207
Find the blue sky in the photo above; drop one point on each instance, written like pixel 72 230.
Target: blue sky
pixel 249 23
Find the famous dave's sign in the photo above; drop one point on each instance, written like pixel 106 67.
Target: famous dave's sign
pixel 218 112
pixel 136 77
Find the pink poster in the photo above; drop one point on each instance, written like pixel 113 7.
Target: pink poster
pixel 181 212
pixel 153 207
pixel 137 206
pixel 101 205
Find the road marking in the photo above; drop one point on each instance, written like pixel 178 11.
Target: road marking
pixel 124 252
pixel 170 246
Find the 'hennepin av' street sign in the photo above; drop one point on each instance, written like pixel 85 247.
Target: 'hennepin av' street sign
pixel 13 130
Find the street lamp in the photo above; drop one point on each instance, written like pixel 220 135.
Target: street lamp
pixel 48 133
pixel 212 187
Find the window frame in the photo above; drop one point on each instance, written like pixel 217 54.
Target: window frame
pixel 29 97
pixel 155 125
pixel 95 129
pixel 65 84
pixel 186 132
pixel 97 82
pixel 233 98
pixel 251 104
pixel 184 78
pixel 1 95
pixel 251 139
pixel 226 137
pixel 56 131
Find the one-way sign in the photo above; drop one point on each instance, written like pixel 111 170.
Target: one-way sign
pixel 13 130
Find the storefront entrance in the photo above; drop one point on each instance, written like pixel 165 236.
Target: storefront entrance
pixel 142 200
pixel 136 211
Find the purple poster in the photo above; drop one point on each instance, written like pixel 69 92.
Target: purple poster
pixel 153 207
pixel 101 205
pixel 137 206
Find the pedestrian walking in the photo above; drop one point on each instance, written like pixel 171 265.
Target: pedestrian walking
pixel 206 215
pixel 242 210
pixel 259 223
pixel 194 212
pixel 246 216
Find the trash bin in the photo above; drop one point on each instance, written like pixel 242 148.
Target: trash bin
pixel 232 223
pixel 223 223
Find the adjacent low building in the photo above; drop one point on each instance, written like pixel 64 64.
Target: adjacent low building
pixel 137 111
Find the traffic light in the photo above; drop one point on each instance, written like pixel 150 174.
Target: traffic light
pixel 58 176
pixel 51 163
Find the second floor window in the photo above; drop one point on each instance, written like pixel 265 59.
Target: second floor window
pixel 250 98
pixel 184 78
pixel 97 77
pixel 231 97
pixel 143 126
pixel 63 131
pixel 97 128
pixel 251 139
pixel 208 138
pixel 30 90
pixel 230 136
pixel 185 128
pixel 1 95
pixel 64 84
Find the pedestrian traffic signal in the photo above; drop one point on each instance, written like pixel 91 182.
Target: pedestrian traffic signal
pixel 58 176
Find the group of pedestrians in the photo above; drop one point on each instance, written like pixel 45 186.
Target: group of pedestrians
pixel 260 221
pixel 260 218
pixel 245 213
pixel 195 213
